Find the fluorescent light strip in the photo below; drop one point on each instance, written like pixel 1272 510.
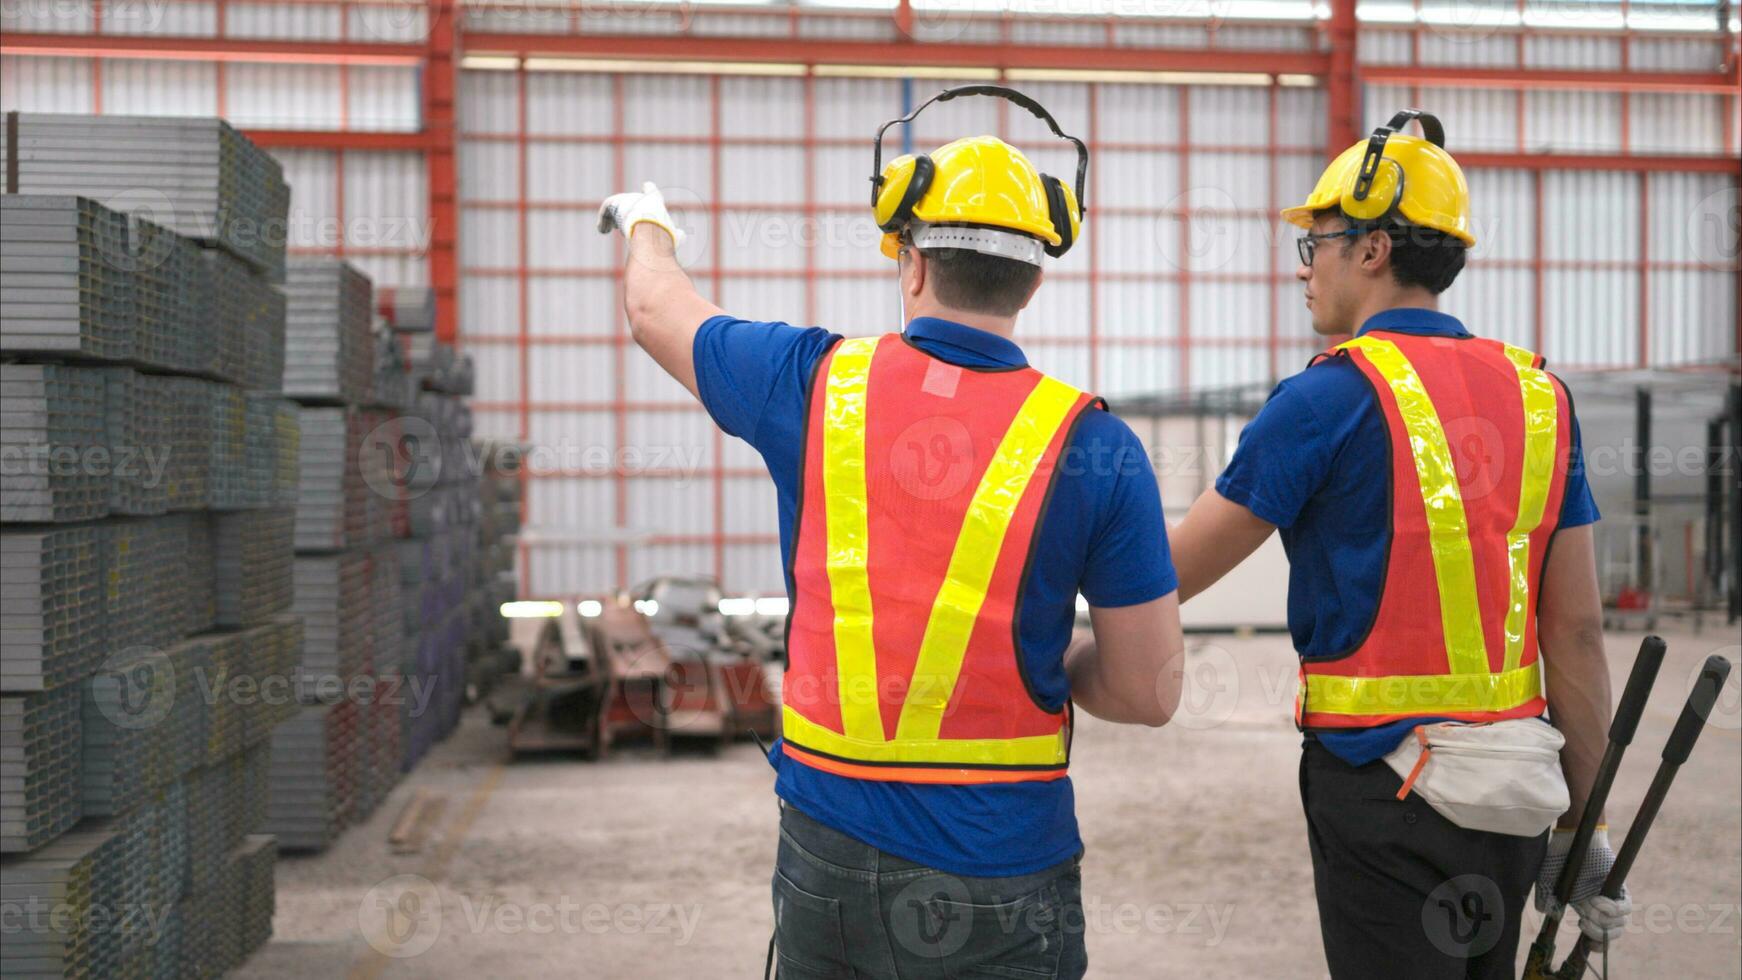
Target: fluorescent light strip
pixel 666 67
pixel 531 609
pixel 489 62
pixel 904 71
pixel 1147 77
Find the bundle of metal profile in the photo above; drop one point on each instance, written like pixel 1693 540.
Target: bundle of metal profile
pixel 266 324
pixel 170 329
pixel 249 783
pixel 136 409
pixel 272 670
pixel 383 730
pixel 234 300
pixel 407 308
pixel 64 284
pixel 58 887
pixel 465 377
pixel 54 438
pixel 260 449
pixel 333 499
pixel 226 447
pixel 381 466
pixel 173 840
pixel 431 361
pixel 39 765
pixel 51 606
pixel 313 775
pixel 256 857
pixel 287 453
pixel 185 423
pixel 255 554
pixel 198 177
pixel 226 714
pixel 118 731
pixel 200 575
pixel 387 601
pixel 332 597
pixel 391 386
pixel 328 350
pixel 147 595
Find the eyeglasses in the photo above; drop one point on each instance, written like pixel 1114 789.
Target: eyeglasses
pixel 1307 244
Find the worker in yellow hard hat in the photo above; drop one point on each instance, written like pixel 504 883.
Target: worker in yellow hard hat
pixel 942 504
pixel 1454 691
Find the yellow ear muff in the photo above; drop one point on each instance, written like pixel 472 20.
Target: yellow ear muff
pixel 905 181
pixel 1382 196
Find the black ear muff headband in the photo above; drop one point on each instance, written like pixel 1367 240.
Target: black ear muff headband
pixel 916 187
pixel 1430 128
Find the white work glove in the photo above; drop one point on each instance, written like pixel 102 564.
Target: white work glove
pixel 1601 918
pixel 624 211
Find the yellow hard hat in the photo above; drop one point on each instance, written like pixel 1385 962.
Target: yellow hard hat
pixel 1392 171
pixel 975 181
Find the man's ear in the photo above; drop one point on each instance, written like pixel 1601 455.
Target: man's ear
pixel 1375 254
pixel 913 272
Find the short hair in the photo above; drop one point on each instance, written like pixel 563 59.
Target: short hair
pixel 1424 257
pixel 980 283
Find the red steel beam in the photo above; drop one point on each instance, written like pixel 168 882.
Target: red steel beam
pixel 826 51
pixel 1342 81
pixel 1709 83
pixel 439 82
pixel 212 48
pixel 329 139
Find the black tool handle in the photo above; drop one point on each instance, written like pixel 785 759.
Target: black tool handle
pixel 1675 752
pixel 1621 728
pixel 1638 689
pixel 1698 708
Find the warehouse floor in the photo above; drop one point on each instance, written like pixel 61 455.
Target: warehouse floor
pixel 1196 862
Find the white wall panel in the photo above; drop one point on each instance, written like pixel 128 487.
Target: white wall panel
pixel 159 88
pixel 45 84
pixel 156 17
pixel 383 98
pixel 278 96
pixel 47 16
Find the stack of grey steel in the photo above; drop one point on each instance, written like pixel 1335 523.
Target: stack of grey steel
pixel 332 506
pixel 391 387
pixel 146 552
pixel 329 354
pixel 407 308
pixel 490 654
pixel 255 556
pixel 197 176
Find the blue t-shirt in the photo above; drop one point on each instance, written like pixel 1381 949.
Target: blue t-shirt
pixel 1315 463
pixel 1103 536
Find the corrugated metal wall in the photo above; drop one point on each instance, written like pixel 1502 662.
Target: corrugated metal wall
pixel 1183 280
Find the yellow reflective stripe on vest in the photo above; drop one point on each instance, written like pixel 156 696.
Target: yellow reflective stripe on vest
pixel 978 544
pixel 1448 529
pixel 1406 695
pixel 848 544
pixel 1031 750
pixel 1541 416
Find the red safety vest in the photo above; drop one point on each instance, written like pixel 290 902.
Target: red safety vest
pixel 1480 440
pixel 922 486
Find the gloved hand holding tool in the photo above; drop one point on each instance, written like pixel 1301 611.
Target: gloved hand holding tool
pixel 1607 918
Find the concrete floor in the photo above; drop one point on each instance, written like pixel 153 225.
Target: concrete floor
pixel 1196 864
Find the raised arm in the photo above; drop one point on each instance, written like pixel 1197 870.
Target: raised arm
pixel 663 306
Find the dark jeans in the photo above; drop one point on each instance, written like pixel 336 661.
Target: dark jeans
pixel 843 909
pixel 1402 891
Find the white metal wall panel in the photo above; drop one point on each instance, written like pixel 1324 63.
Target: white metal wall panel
pixel 383 98
pixel 314 196
pixel 156 17
pixel 47 17
pixel 45 84
pixel 142 87
pixel 288 22
pixel 1680 123
pixel 281 96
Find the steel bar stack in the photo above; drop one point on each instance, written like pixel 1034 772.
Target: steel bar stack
pixel 334 762
pixel 489 654
pixel 146 530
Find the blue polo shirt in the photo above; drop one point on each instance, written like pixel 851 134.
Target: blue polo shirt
pixel 1102 535
pixel 1314 462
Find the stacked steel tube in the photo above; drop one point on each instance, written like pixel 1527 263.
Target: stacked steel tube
pixel 145 542
pixel 489 655
pixel 336 761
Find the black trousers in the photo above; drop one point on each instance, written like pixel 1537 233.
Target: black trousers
pixel 1403 892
